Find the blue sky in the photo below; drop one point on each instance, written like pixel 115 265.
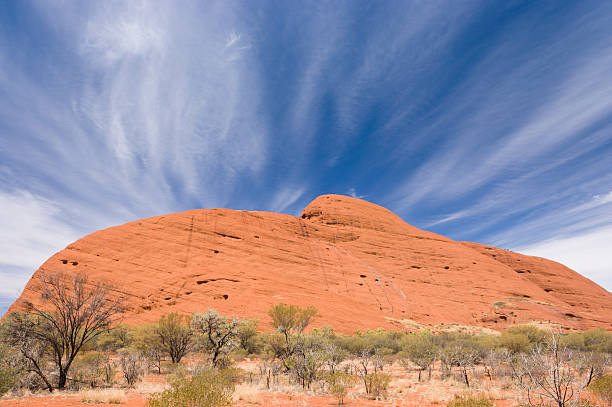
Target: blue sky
pixel 488 121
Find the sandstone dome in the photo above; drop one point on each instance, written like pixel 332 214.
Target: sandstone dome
pixel 357 262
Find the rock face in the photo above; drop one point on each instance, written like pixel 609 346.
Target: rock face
pixel 358 263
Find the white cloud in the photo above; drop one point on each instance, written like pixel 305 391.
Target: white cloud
pixel 596 201
pixel 352 192
pixel 30 233
pixel 589 254
pixel 285 198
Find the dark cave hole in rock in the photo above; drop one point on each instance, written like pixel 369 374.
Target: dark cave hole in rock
pixel 362 276
pixel 64 261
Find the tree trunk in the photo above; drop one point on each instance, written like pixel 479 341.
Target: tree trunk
pixel 44 379
pixel 61 381
pixel 465 376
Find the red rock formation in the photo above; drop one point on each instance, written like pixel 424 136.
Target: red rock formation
pixel 358 263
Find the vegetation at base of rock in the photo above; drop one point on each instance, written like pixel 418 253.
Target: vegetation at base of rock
pixel 208 388
pixel 318 359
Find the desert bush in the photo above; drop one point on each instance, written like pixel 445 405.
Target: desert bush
pixel 209 388
pixel 339 384
pixel 548 375
pixel 247 336
pixel 308 360
pixel 147 342
pixel 602 388
pixel 376 384
pixel 118 337
pixel 178 374
pixel 9 372
pixel 535 335
pixel 89 369
pixel 470 401
pixel 421 350
pixel 334 356
pixel 7 380
pixel 463 351
pixel 596 340
pixel 219 334
pixel 130 365
pixel 515 342
pixel 175 334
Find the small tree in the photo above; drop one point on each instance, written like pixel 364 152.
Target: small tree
pixel 367 364
pixel 147 342
pixel 308 360
pixel 220 333
pixel 377 384
pixel 421 350
pixel 175 335
pixel 247 333
pixel 73 313
pixel 130 365
pixel 339 384
pixel 291 319
pixel 334 356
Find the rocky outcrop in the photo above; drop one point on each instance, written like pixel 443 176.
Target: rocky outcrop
pixel 358 263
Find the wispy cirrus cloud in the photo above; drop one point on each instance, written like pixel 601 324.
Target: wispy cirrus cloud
pixel 483 122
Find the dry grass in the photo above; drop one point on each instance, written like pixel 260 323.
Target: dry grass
pixel 437 395
pixel 103 396
pixel 151 387
pixel 248 392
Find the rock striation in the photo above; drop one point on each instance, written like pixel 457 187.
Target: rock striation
pixel 358 263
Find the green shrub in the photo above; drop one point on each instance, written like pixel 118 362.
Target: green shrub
pixel 515 342
pixel 470 401
pixel 8 372
pixel 377 384
pixel 7 379
pixel 602 388
pixel 209 388
pixel 339 383
pixel 421 350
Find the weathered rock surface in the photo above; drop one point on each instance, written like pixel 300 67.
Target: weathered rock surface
pixel 358 263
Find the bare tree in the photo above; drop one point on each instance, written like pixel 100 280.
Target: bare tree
pixel 73 313
pixel 549 374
